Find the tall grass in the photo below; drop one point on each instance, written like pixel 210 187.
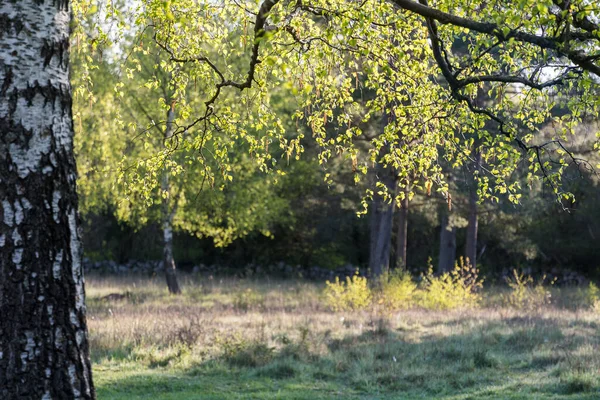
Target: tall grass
pixel 279 339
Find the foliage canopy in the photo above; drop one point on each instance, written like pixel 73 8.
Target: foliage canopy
pixel 427 73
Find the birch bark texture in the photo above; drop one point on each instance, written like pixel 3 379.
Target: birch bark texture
pixel 472 227
pixel 44 350
pixel 168 213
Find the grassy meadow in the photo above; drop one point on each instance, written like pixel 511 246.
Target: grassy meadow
pixel 262 339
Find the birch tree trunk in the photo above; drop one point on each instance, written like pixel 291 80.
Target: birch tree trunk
pixel 168 212
pixel 43 331
pixel 472 227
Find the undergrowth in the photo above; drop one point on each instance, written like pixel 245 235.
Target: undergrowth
pixel 459 288
pixel 525 293
pixel 352 294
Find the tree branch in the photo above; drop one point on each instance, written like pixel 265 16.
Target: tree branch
pixel 259 34
pixel 576 56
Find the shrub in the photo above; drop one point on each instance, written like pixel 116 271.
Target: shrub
pixel 397 290
pixel 583 297
pixel 458 288
pixel 525 294
pixel 593 296
pixel 353 294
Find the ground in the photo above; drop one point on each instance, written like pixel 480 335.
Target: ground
pixel 261 339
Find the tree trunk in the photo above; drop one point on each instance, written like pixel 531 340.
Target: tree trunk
pixel 168 212
pixel 381 229
pixel 402 235
pixel 471 245
pixel 381 237
pixel 44 350
pixel 447 243
pixel 168 260
pixel 382 216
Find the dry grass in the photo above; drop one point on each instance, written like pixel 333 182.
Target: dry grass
pixel 251 339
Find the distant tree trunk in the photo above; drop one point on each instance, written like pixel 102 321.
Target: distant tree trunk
pixel 471 245
pixel 382 216
pixel 168 213
pixel 402 235
pixel 44 350
pixel 382 221
pixel 447 242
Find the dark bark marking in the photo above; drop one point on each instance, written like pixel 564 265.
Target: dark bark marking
pixel 56 48
pixel 8 24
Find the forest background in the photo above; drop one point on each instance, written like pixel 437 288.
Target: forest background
pixel 308 214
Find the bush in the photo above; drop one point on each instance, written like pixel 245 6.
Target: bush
pixel 353 294
pixel 525 294
pixel 397 290
pixel 593 297
pixel 458 288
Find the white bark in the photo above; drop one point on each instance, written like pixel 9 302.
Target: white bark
pixel 43 333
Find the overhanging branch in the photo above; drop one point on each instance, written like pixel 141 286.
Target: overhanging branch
pixel 260 30
pixel 557 44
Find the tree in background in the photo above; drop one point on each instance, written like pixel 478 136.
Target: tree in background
pixel 473 219
pixel 304 45
pixel 447 254
pixel 401 253
pixel 382 213
pixel 193 201
pixel 44 350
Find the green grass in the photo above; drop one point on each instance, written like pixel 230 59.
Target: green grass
pixel 276 340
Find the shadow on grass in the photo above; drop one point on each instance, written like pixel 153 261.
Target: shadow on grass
pixel 510 359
